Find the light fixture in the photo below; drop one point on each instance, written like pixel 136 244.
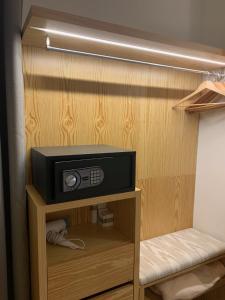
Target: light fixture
pixel 130 46
pixel 49 47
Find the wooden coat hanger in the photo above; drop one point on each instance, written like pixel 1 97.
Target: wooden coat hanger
pixel 204 97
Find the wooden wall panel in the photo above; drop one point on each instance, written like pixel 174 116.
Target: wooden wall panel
pixel 81 100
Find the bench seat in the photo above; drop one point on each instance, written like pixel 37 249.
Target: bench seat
pixel 172 253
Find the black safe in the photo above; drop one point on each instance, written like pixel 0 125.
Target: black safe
pixel 75 172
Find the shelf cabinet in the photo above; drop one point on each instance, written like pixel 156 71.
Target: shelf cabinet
pixel 110 259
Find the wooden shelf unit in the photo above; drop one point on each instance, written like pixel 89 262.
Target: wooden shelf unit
pixel 97 239
pixel 111 257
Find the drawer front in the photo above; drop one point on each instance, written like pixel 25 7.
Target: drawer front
pixel 122 293
pixel 90 275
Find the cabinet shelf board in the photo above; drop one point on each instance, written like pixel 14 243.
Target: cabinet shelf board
pixel 97 239
pixel 38 200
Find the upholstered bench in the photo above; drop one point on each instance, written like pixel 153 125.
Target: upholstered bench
pixel 171 255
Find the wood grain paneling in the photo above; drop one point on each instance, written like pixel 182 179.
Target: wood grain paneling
pixel 74 216
pixel 167 203
pixel 81 100
pixel 71 280
pixel 38 252
pixel 122 293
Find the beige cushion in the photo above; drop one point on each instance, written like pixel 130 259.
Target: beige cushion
pixel 171 253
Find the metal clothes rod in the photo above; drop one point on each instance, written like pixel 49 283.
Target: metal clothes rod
pixel 49 47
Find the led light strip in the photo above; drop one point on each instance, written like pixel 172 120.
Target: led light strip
pixel 129 46
pixel 49 47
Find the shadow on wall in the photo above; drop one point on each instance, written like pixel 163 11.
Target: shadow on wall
pixel 105 88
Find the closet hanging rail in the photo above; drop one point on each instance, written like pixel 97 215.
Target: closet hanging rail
pixel 203 97
pixel 73 51
pixel 127 60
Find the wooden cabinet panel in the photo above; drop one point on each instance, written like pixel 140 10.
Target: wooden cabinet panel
pixel 122 293
pixel 90 275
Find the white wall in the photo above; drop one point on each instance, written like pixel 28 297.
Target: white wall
pixel 209 212
pixel 212 23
